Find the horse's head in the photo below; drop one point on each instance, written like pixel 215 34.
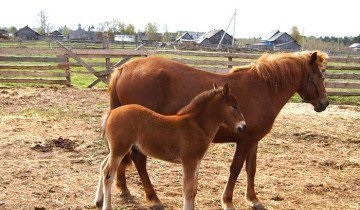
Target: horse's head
pixel 232 115
pixel 313 88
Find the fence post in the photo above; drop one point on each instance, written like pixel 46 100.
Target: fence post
pixel 230 59
pixel 106 45
pixel 68 72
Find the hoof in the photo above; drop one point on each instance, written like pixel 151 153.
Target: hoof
pixel 99 204
pixel 125 194
pixel 258 206
pixel 228 206
pixel 158 206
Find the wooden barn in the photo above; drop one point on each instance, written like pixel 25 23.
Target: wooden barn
pixel 185 37
pixel 212 38
pixel 277 40
pixel 27 33
pixel 56 36
pixel 4 34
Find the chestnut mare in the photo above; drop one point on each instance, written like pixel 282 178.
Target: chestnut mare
pixel 181 138
pixel 263 87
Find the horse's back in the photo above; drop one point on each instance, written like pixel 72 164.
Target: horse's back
pixel 154 82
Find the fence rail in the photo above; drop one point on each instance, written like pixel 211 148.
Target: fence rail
pixel 53 66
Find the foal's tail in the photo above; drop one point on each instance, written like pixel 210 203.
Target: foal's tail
pixel 103 128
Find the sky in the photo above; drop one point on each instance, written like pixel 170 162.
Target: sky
pixel 254 18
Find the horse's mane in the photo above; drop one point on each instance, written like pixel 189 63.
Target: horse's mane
pixel 199 101
pixel 281 69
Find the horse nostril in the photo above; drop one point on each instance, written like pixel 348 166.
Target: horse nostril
pixel 241 126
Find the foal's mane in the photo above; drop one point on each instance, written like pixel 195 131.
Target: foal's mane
pixel 200 101
pixel 280 70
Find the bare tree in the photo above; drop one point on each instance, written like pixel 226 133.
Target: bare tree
pixel 43 22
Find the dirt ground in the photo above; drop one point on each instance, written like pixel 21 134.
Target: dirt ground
pixel 51 151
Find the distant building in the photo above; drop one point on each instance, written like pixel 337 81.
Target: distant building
pixel 355 47
pixel 82 35
pixel 193 34
pixel 212 38
pixel 27 33
pixel 4 34
pixel 185 37
pixel 56 36
pixel 277 40
pixel 124 38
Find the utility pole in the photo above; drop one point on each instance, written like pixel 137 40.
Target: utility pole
pixel 232 18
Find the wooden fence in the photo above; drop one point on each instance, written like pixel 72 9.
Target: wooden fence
pixel 33 66
pixel 342 74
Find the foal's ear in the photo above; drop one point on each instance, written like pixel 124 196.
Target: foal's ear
pixel 226 89
pixel 313 57
pixel 215 86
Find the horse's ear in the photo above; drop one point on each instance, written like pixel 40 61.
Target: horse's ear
pixel 226 89
pixel 313 57
pixel 215 86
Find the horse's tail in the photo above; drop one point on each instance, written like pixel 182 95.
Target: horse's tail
pixel 114 100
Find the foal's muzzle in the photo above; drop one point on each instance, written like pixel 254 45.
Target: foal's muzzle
pixel 241 126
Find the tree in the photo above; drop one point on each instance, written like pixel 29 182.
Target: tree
pixel 130 30
pixel 43 22
pixel 295 34
pixel 167 36
pixel 64 30
pixel 151 32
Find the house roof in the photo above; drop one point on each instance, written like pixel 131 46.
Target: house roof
pixel 183 36
pixel 276 36
pixel 56 33
pixel 209 34
pixel 355 45
pixel 268 36
pixel 27 28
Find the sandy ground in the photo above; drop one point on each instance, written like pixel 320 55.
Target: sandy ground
pixel 51 150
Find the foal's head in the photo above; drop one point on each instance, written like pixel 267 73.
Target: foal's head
pixel 232 116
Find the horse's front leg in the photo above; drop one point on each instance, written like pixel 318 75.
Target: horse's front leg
pixel 140 163
pixel 235 168
pixel 250 172
pixel 190 183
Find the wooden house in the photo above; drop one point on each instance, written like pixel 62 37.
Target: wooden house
pixel 212 38
pixel 56 36
pixel 185 37
pixel 4 34
pixel 27 33
pixel 277 40
pixel 355 47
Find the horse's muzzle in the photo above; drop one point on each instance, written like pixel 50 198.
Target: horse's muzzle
pixel 321 106
pixel 241 126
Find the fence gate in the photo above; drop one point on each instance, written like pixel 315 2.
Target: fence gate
pixel 103 76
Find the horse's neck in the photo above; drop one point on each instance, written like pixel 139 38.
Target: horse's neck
pixel 283 95
pixel 209 120
pixel 280 96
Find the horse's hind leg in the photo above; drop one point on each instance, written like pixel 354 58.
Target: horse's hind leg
pixel 120 175
pixel 140 163
pixel 99 192
pixel 108 174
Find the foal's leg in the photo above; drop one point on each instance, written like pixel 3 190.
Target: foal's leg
pixel 250 172
pixel 99 192
pixel 235 168
pixel 190 183
pixel 120 176
pixel 108 174
pixel 140 163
